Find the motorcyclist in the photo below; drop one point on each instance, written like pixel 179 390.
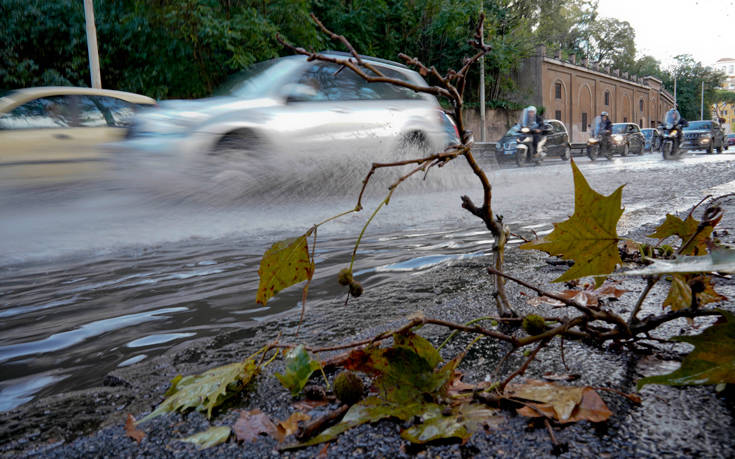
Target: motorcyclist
pixel 674 119
pixel 604 131
pixel 535 122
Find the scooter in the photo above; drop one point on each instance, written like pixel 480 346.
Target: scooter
pixel 670 140
pixel 598 144
pixel 524 148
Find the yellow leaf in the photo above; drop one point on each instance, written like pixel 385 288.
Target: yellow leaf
pixel 684 229
pixel 589 236
pixel 680 294
pixel 563 399
pixel 286 263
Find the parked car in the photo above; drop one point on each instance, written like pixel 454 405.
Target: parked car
pixel 53 132
pixel 291 105
pixel 653 139
pixel 730 139
pixel 557 143
pixel 703 135
pixel 627 138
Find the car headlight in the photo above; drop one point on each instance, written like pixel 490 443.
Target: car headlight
pixel 704 140
pixel 593 140
pixel 525 130
pixel 673 133
pixel 617 138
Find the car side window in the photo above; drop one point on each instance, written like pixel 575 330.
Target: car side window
pixel 391 91
pixel 117 112
pixel 90 114
pixel 42 113
pixel 339 84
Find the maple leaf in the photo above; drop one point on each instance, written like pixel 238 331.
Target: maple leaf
pixel 684 229
pixel 285 264
pixel 589 236
pixel 685 286
pixel 711 362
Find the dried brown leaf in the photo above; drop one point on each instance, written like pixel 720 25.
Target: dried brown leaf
pixel 291 425
pixel 131 431
pixel 252 424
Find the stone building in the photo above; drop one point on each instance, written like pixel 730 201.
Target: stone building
pixel 727 66
pixel 576 93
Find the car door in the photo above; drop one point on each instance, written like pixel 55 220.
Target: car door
pixel 635 138
pixel 50 139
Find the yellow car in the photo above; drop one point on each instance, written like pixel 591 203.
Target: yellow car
pixel 51 134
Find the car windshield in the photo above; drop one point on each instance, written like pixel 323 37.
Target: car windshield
pixel 695 125
pixel 259 80
pixel 618 128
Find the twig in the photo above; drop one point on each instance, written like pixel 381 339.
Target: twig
pixel 318 425
pixel 563 361
pixel 633 315
pixel 523 367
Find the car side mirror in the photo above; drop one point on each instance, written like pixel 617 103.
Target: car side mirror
pixel 297 92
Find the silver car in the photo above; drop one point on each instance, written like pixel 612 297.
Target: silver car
pixel 297 106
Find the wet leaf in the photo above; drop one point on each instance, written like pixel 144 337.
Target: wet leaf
pixel 684 229
pixel 299 367
pixel 591 408
pixel 207 390
pixel 285 264
pixel 586 297
pixel 719 260
pixel 210 437
pixel 371 409
pixel 402 371
pixel 563 399
pixel 589 236
pixel 291 425
pixel 561 377
pixel 461 422
pixel 252 424
pixel 680 295
pixel 131 431
pixel 711 362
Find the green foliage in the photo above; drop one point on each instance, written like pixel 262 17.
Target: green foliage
pixel 711 362
pixel 284 264
pixel 210 437
pixel 299 367
pixel 589 236
pixel 206 391
pixel 690 75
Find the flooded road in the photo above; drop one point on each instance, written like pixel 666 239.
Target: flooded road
pixel 105 274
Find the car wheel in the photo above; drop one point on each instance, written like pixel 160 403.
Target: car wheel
pixel 719 149
pixel 709 149
pixel 415 142
pixel 566 153
pixel 239 142
pixel 592 152
pixel 626 150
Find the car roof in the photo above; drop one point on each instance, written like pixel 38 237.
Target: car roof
pixel 21 96
pixel 367 58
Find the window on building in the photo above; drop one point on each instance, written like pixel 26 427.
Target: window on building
pixel 557 114
pixel 557 90
pixel 731 69
pixel 625 119
pixel 640 104
pixel 584 122
pixel 640 122
pixel 607 97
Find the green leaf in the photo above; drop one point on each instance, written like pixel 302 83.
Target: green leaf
pixel 420 345
pixel 684 229
pixel 371 409
pixel 299 367
pixel 210 437
pixel 589 236
pixel 719 260
pixel 711 362
pixel 207 390
pixel 285 264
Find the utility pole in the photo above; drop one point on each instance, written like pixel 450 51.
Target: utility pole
pixel 675 90
pixel 701 107
pixel 482 87
pixel 94 58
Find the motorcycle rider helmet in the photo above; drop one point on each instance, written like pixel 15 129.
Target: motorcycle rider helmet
pixel 604 114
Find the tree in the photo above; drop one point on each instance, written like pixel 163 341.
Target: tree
pixel 611 42
pixel 690 75
pixel 564 24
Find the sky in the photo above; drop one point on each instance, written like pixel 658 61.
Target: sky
pixel 663 29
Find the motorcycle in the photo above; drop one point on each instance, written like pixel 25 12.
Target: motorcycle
pixel 671 134
pixel 524 148
pixel 599 142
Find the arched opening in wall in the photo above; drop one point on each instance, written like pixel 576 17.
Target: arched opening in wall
pixel 626 112
pixel 558 102
pixel 607 98
pixel 584 112
pixel 641 112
